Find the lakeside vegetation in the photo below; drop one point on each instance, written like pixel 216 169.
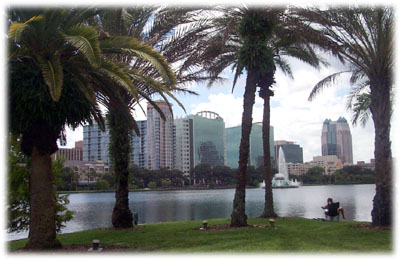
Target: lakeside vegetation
pixel 206 176
pixel 291 235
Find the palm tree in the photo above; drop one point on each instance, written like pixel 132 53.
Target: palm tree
pixel 292 37
pixel 255 39
pixel 56 72
pixel 365 36
pixel 148 71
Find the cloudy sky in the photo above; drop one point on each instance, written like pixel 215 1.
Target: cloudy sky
pixel 293 117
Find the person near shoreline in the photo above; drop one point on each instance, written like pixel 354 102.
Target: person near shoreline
pixel 340 210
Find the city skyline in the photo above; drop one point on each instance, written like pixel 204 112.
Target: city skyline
pixel 292 115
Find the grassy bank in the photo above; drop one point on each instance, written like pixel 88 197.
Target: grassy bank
pixel 291 235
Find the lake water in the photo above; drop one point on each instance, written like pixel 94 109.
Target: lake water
pixel 93 210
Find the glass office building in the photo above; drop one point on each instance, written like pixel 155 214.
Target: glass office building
pixel 293 152
pixel 336 140
pixel 233 137
pixel 208 138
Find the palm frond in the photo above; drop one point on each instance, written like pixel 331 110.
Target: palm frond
pixel 84 38
pixel 17 29
pixel 118 76
pixel 52 72
pixel 324 83
pixel 131 46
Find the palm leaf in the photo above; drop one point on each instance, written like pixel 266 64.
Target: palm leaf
pixel 52 72
pixel 324 83
pixel 156 86
pixel 85 39
pixel 17 29
pixel 131 46
pixel 118 76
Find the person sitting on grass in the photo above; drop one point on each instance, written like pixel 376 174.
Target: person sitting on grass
pixel 333 209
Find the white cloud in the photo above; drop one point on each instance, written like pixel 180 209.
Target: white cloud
pixel 295 118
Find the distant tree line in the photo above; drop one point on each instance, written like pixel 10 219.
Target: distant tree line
pixel 346 175
pixel 203 175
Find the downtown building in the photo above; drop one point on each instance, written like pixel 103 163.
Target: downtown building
pixel 256 156
pixel 70 154
pixel 336 140
pixel 96 144
pixel 160 134
pixel 199 138
pixel 293 152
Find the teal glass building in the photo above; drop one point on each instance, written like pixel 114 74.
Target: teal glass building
pixel 233 136
pixel 208 138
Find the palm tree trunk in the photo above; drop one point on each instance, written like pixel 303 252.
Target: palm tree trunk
pixel 120 146
pixel 269 200
pixel 42 226
pixel 238 217
pixel 381 112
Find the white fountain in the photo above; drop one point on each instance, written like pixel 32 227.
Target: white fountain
pixel 281 179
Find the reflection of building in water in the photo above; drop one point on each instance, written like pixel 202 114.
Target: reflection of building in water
pixel 233 137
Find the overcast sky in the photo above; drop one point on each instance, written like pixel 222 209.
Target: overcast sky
pixel 293 117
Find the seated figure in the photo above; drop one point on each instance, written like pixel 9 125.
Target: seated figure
pixel 333 209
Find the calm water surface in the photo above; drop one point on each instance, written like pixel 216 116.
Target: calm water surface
pixel 93 210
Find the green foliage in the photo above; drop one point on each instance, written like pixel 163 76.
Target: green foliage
pixel 18 191
pixel 110 179
pixel 68 179
pixel 166 183
pixel 347 175
pixel 102 184
pixel 152 185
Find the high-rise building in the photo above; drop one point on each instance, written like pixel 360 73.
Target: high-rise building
pixel 138 155
pixel 160 137
pixel 184 156
pixel 233 137
pixel 336 140
pixel 96 144
pixel 293 152
pixel 208 138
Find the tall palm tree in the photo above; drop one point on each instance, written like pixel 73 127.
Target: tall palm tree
pixel 365 35
pixel 255 39
pixel 148 71
pixel 57 77
pixel 239 40
pixel 41 57
pixel 292 37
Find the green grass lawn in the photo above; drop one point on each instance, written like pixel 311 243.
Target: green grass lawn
pixel 291 235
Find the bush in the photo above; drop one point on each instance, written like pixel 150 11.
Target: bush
pixel 152 185
pixel 102 184
pixel 166 183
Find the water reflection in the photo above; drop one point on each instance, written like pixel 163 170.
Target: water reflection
pixel 94 210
